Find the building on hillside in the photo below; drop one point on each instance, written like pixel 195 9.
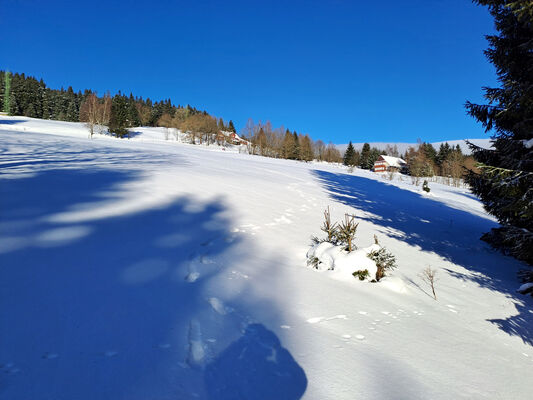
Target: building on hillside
pixel 389 164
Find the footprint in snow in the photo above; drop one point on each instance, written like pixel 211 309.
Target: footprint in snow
pixel 192 277
pixel 196 354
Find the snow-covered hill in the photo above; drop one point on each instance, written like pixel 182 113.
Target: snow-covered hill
pixel 151 269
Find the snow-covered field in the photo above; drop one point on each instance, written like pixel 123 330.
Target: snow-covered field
pixel 150 269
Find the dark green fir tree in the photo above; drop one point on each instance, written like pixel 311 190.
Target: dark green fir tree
pixel 349 154
pixel 365 157
pixel 505 179
pixel 119 116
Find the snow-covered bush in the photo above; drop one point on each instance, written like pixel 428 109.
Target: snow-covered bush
pixel 384 261
pixel 361 274
pixel 339 254
pixel 342 264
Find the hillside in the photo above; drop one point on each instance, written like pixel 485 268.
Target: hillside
pixel 151 269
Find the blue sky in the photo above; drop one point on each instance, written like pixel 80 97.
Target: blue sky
pixel 338 70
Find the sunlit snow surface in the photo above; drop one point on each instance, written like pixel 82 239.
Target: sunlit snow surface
pixel 152 269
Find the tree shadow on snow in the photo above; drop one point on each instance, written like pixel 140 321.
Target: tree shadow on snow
pixel 435 227
pixel 102 308
pixel 255 367
pixel 11 121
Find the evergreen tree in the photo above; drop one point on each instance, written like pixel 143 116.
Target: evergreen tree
pixel 231 127
pixel 133 113
pixel 505 178
pixel 296 150
pixel 7 92
pixel 119 116
pixel 348 158
pixel 365 155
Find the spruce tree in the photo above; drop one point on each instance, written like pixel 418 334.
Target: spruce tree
pixel 505 178
pixel 349 155
pixel 119 116
pixel 231 127
pixel 365 156
pixel 7 92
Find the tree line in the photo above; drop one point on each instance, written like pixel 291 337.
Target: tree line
pixel 264 140
pixel 25 95
pixel 421 161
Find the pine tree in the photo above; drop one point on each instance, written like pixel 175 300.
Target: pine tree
pixel 119 116
pixel 505 178
pixel 296 150
pixel 7 92
pixel 349 155
pixel 365 154
pixel 231 127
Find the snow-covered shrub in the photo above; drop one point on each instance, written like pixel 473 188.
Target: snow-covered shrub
pixel 361 274
pixel 384 261
pixel 425 186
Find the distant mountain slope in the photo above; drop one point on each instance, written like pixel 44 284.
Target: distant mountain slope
pixel 402 147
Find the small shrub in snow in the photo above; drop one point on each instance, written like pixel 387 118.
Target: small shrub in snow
pixel 425 186
pixel 329 228
pixel 346 232
pixel 428 275
pixel 362 275
pixel 313 262
pixel 384 261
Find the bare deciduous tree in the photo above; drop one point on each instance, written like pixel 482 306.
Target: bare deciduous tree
pixel 95 112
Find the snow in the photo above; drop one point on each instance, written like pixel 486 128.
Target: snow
pixel 150 268
pixel 525 287
pixel 528 143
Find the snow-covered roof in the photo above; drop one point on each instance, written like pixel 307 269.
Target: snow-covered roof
pixel 394 161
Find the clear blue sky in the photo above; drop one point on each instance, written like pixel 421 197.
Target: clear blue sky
pixel 338 70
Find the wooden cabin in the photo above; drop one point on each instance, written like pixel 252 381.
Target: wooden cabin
pixel 389 164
